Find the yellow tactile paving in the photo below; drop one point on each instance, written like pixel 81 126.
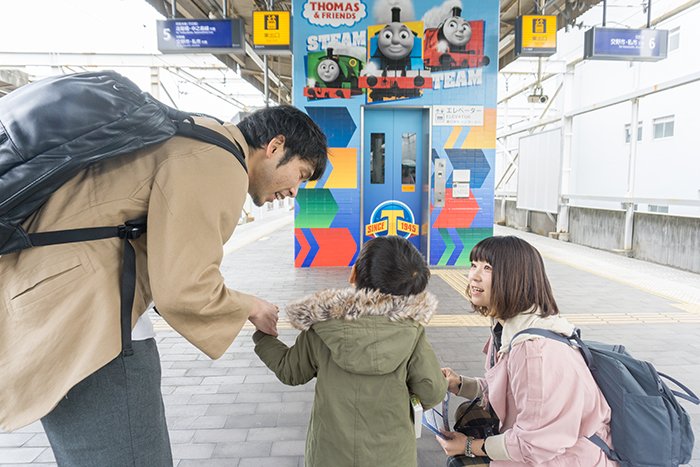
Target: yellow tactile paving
pixel 449 321
pixel 454 279
pixel 458 281
pixel 689 307
pixel 474 320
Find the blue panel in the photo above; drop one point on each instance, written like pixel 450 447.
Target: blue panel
pixel 459 246
pixel 348 215
pixel 437 246
pixel 400 129
pixel 200 35
pixel 312 250
pixel 335 122
pixel 472 159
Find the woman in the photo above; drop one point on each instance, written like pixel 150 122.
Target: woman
pixel 540 389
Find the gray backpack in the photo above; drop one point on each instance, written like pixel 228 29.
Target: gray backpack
pixel 649 427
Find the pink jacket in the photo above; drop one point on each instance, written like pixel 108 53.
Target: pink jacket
pixel 547 401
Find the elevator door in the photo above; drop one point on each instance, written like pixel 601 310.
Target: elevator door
pixel 393 173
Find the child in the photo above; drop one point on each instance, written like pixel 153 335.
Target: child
pixel 541 390
pixel 368 350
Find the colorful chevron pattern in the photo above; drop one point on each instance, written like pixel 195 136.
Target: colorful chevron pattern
pixel 324 247
pixel 462 222
pixel 327 220
pixel 342 170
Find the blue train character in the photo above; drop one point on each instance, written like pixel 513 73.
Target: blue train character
pixel 395 52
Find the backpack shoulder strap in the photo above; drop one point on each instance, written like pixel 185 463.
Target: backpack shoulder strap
pixel 598 441
pixel 544 333
pixel 192 130
pixel 575 340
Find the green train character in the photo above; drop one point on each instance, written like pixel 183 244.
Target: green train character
pixel 332 76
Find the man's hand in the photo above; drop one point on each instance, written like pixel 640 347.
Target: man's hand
pixel 264 316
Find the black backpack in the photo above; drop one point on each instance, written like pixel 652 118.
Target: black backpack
pixel 53 128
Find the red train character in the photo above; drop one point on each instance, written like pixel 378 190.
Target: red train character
pixel 455 43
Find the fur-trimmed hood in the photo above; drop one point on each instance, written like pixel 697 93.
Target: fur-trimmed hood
pixel 367 332
pixel 351 303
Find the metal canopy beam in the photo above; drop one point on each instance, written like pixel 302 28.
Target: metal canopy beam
pixel 249 64
pixel 18 59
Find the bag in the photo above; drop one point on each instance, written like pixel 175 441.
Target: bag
pixel 461 461
pixel 648 425
pixel 53 128
pixel 473 420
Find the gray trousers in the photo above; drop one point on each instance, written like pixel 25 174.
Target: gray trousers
pixel 114 417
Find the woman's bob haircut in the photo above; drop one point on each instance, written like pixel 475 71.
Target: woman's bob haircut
pixel 519 283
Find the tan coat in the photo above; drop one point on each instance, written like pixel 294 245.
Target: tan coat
pixel 59 308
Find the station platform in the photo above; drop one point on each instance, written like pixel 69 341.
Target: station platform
pixel 233 412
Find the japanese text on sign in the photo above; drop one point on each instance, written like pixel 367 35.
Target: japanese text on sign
pixel 458 115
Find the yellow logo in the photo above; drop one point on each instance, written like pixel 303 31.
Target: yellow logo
pixel 392 218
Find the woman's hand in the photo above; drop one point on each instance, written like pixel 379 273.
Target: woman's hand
pixel 454 444
pixel 452 378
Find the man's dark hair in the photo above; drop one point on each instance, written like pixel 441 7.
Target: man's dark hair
pixel 391 265
pixel 303 137
pixel 518 278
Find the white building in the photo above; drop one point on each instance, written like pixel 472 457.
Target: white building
pixel 589 154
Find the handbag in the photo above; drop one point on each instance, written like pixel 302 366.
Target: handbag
pixel 473 420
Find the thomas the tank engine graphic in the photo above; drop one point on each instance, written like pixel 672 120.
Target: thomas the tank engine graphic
pixel 393 52
pixel 332 75
pixel 455 43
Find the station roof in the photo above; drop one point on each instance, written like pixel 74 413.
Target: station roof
pixel 250 64
pixel 280 82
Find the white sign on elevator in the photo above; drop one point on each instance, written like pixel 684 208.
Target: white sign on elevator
pixel 458 115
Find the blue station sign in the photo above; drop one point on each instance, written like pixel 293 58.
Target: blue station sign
pixel 217 36
pixel 647 45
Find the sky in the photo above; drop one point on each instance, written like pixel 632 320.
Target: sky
pixel 112 27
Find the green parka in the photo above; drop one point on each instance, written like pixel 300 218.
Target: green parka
pixel 368 351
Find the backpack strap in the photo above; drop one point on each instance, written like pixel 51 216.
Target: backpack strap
pixel 575 340
pixel 688 395
pixel 133 229
pixel 598 441
pixel 130 230
pixel 190 129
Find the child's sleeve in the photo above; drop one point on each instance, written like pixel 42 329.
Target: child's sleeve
pixel 425 379
pixel 293 365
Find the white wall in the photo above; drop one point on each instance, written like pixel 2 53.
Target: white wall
pixel 665 168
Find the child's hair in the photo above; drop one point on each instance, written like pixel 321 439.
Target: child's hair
pixel 518 279
pixel 391 265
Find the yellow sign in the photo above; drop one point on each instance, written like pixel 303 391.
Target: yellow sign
pixel 538 33
pixel 408 227
pixel 378 227
pixel 271 28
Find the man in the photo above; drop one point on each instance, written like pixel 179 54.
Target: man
pixel 59 318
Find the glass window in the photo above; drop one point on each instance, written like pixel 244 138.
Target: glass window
pixel 408 158
pixel 658 208
pixel 628 132
pixel 663 127
pixel 674 39
pixel 376 168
